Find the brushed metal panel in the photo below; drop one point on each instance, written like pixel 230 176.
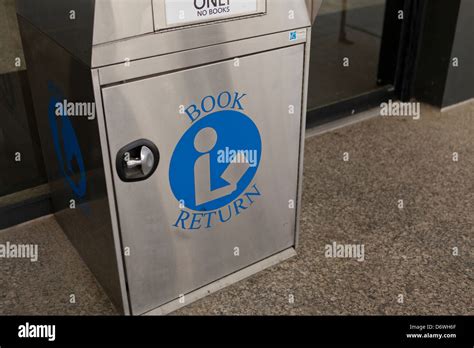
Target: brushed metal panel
pixel 120 19
pixel 165 261
pixel 307 58
pixel 110 192
pixel 313 8
pixel 181 60
pixel 55 73
pixel 108 32
pixel 223 282
pixel 281 15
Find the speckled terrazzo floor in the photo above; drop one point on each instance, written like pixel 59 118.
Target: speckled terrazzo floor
pixel 407 251
pixel 45 287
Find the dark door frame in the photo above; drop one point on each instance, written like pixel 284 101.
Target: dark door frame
pixel 396 76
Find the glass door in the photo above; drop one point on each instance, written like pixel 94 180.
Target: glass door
pixel 22 175
pixel 353 60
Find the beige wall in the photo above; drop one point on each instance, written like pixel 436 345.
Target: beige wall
pixel 10 43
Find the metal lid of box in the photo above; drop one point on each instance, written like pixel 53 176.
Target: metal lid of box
pixel 106 32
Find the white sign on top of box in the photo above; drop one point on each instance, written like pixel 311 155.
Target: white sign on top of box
pixel 183 12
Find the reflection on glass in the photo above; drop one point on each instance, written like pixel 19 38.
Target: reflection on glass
pixel 10 42
pixel 20 153
pixel 346 41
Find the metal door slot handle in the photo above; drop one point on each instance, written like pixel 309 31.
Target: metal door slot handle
pixel 137 161
pixel 146 161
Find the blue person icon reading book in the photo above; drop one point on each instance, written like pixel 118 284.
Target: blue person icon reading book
pixel 215 161
pixel 205 142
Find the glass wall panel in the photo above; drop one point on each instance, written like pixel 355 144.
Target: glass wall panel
pixel 346 45
pixel 21 164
